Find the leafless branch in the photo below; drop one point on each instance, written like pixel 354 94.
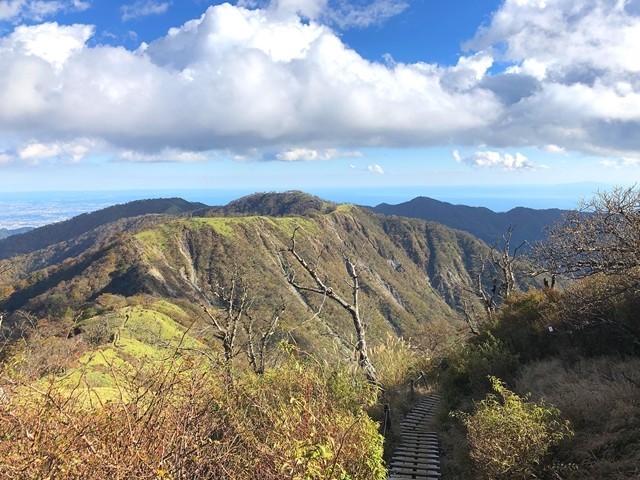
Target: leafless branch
pixel 602 236
pixel 320 287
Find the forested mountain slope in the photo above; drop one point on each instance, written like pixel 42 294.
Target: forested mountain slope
pixel 529 224
pixel 126 333
pixel 403 264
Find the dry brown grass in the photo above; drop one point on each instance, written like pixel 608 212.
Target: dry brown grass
pixel 189 420
pixel 601 398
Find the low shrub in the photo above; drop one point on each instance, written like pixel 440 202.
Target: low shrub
pixel 601 312
pixel 524 320
pixel 510 437
pixel 467 368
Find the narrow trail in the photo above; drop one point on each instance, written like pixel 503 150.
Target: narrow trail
pixel 417 456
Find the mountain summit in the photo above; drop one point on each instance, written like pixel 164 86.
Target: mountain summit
pixel 528 224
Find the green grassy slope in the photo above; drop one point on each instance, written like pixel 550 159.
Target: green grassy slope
pixel 404 265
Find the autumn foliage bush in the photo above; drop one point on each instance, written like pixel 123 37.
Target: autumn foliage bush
pixel 510 437
pixel 188 419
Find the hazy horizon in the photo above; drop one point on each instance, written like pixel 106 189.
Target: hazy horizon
pixel 35 209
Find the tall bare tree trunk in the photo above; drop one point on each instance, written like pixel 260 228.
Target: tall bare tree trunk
pixel 352 308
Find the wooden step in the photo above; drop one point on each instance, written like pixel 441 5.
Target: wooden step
pixel 417 456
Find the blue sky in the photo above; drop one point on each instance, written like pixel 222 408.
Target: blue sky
pixel 485 96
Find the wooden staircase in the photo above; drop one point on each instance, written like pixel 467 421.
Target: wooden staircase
pixel 417 456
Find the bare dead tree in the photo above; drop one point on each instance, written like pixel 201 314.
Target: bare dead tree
pixel 504 261
pixel 601 236
pixel 320 287
pixel 230 313
pixel 599 243
pixel 493 280
pixel 470 316
pixel 487 296
pixel 226 319
pixel 481 292
pixel 257 342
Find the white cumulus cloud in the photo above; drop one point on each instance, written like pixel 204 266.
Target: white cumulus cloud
pixel 621 162
pixel 337 13
pixel 554 149
pixel 491 159
pixel 307 8
pixel 163 156
pixel 274 76
pixel 573 80
pixel 233 79
pixel 34 153
pixel 50 42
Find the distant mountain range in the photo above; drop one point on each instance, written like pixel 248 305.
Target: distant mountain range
pixel 7 232
pixel 528 224
pixel 43 237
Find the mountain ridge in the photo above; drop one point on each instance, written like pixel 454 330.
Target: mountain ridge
pixel 528 223
pixel 410 268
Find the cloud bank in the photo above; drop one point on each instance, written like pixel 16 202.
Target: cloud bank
pixel 276 78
